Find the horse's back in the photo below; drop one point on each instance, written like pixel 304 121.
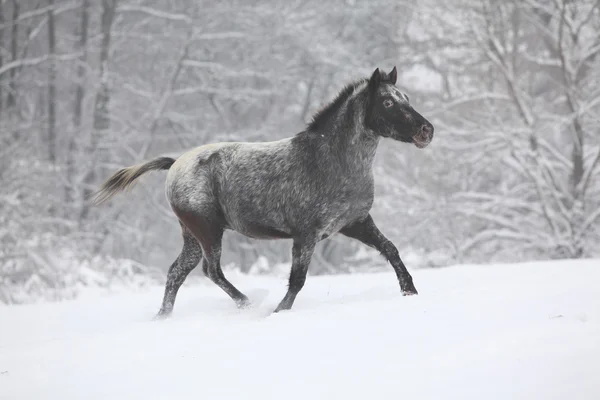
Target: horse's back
pixel 198 175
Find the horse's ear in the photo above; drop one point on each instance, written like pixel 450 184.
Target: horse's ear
pixel 374 80
pixel 393 75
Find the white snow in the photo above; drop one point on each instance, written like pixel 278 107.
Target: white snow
pixel 522 331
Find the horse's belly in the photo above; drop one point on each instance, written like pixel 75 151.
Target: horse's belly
pixel 256 220
pixel 261 231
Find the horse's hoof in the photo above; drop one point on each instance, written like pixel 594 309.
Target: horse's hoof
pixel 244 304
pixel 412 292
pixel 282 308
pixel 161 316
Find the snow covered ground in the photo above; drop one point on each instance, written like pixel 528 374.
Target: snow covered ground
pixel 525 331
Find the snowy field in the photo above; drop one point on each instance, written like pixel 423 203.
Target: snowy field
pixel 527 331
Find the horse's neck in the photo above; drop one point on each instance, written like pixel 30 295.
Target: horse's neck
pixel 349 154
pixel 351 147
pixel 357 145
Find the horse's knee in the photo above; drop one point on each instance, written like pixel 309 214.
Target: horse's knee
pixel 389 250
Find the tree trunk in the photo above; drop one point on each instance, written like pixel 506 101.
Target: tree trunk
pixel 70 195
pixel 14 52
pixel 101 115
pixel 83 38
pixel 2 20
pixel 578 206
pixel 51 85
pixel 101 112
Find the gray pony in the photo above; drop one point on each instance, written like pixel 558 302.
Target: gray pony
pixel 305 188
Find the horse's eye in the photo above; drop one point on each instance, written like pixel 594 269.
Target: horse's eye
pixel 387 103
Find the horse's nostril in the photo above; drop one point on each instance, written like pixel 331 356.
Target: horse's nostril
pixel 427 130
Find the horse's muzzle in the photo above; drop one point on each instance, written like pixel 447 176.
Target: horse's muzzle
pixel 424 136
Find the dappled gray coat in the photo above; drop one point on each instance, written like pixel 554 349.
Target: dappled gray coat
pixel 306 187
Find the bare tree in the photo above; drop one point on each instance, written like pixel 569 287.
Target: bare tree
pixel 14 49
pixel 51 84
pixel 2 21
pixel 72 192
pixel 101 123
pixel 533 123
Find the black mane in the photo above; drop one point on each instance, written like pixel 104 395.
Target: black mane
pixel 322 117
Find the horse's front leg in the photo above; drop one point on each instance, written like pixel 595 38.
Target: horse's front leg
pixel 302 252
pixel 367 232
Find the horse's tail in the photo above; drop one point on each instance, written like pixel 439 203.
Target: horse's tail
pixel 124 178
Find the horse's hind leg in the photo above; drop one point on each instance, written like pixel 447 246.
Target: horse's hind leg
pixel 215 273
pixel 190 255
pixel 210 235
